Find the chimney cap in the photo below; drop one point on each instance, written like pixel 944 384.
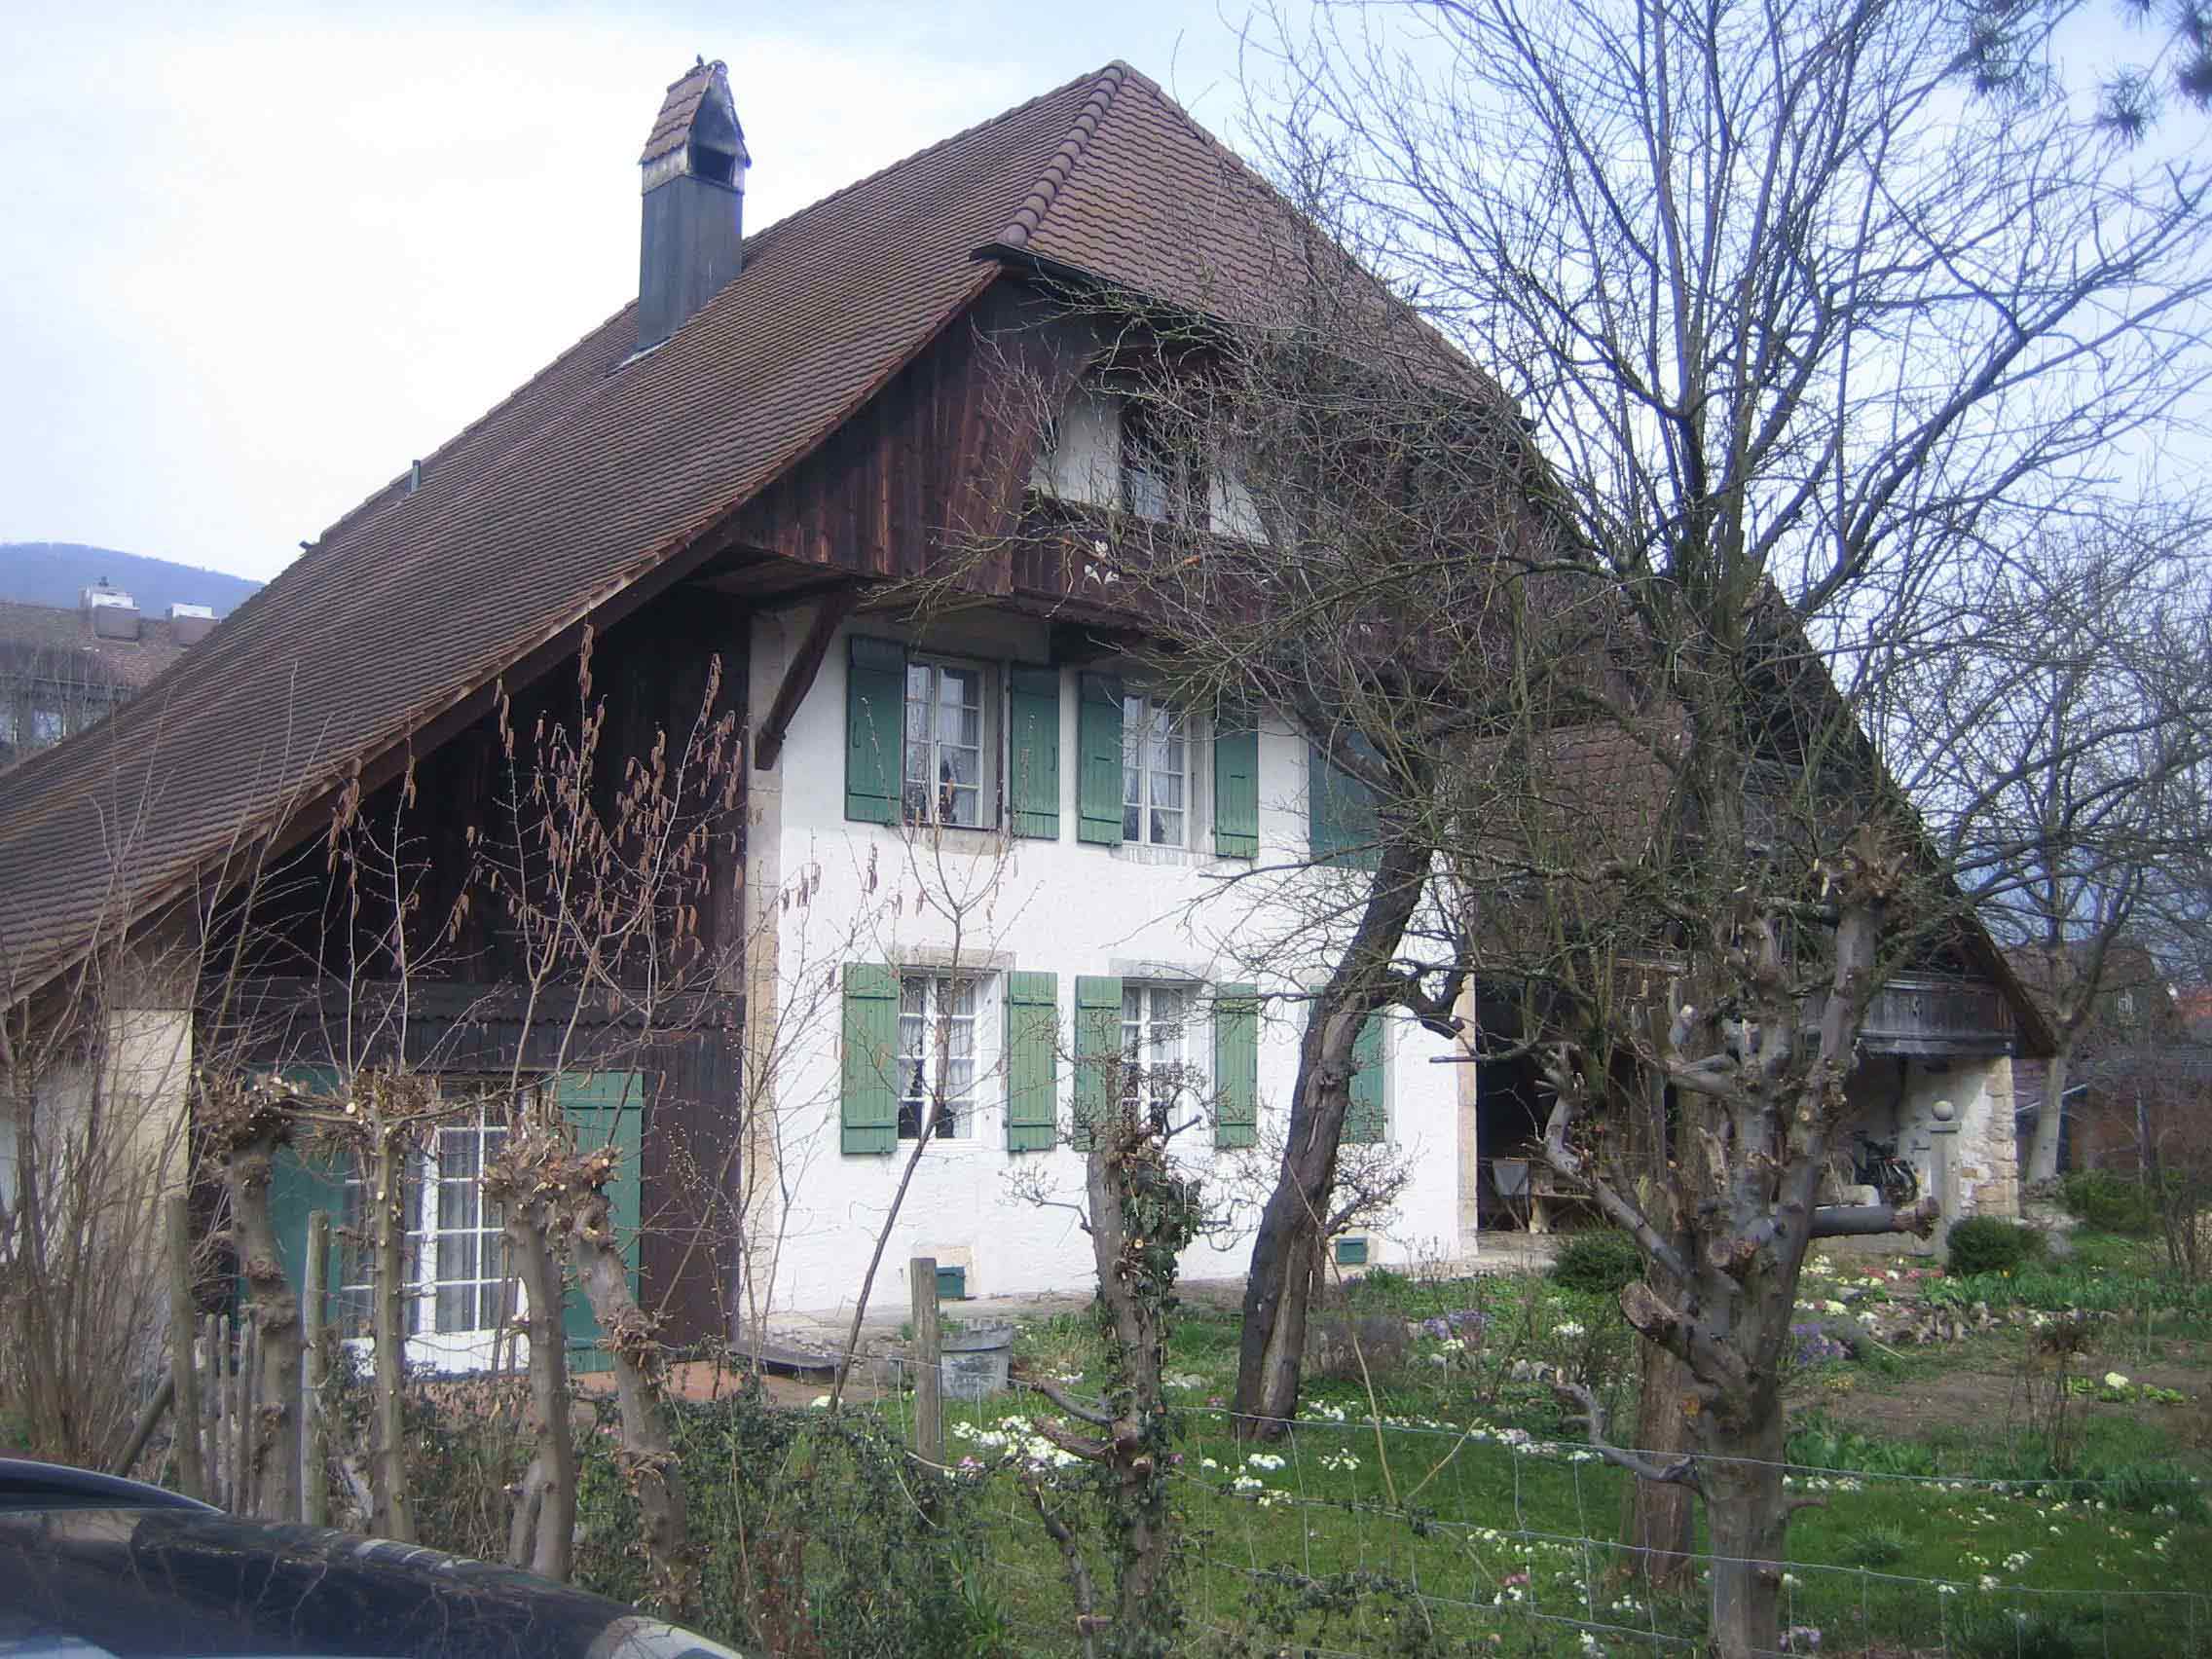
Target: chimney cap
pixel 697 115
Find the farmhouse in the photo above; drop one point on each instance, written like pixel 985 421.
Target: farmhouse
pixel 879 872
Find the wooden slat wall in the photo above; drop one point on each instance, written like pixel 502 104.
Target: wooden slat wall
pixel 937 460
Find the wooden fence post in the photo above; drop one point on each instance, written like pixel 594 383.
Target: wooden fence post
pixel 212 1406
pixel 247 1483
pixel 314 1489
pixel 184 1325
pixel 929 1362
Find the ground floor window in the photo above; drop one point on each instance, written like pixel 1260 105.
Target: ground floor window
pixel 936 1054
pixel 1156 1045
pixel 455 1254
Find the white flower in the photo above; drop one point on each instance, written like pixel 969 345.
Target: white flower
pixel 820 1402
pixel 1946 1589
pixel 2114 1380
pixel 1262 1460
pixel 1569 1328
pixel 1988 1581
pixel 1791 1581
pixel 1247 1483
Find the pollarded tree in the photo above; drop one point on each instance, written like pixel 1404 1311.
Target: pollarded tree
pixel 1798 325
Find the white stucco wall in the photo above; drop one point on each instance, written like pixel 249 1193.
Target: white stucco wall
pixel 834 892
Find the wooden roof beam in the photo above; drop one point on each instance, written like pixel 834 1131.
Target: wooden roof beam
pixel 799 673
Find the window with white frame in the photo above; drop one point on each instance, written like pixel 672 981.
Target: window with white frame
pixel 1162 475
pixel 1156 773
pixel 938 1054
pixel 455 1253
pixel 948 772
pixel 1156 1046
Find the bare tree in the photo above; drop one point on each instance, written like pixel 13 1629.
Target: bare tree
pixel 1797 328
pixel 2056 753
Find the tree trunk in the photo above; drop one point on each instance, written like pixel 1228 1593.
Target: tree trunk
pixel 390 1514
pixel 542 1535
pixel 1279 1297
pixel 1747 1516
pixel 1286 1251
pixel 271 1477
pixel 2043 1153
pixel 1659 1519
pixel 648 1457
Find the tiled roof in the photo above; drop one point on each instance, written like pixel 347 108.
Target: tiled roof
pixel 51 634
pixel 672 125
pixel 594 473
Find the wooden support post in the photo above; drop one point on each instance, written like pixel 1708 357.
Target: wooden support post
pixel 929 1362
pixel 243 1501
pixel 798 675
pixel 226 1393
pixel 314 1464
pixel 184 1325
pixel 212 1406
pixel 149 1419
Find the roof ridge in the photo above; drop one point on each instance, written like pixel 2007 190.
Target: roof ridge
pixel 1039 202
pixel 381 496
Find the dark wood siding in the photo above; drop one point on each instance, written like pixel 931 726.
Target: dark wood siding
pixel 937 460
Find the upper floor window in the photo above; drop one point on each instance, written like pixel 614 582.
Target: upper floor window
pixel 936 1054
pixel 1163 476
pixel 946 744
pixel 1156 773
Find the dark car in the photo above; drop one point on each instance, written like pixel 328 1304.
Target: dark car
pixel 91 1565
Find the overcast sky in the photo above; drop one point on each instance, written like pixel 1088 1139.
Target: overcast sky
pixel 255 259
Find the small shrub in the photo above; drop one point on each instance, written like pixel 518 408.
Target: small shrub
pixel 1877 1545
pixel 1598 1264
pixel 2108 1202
pixel 1994 1633
pixel 1989 1244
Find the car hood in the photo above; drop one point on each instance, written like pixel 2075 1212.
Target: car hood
pixel 153 1584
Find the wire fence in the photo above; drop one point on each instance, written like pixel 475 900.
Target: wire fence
pixel 1361 1537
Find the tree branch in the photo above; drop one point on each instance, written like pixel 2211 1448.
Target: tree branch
pixel 1682 1471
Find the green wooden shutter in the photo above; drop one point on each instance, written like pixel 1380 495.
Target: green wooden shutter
pixel 1033 752
pixel 1237 1065
pixel 1366 1121
pixel 875 712
pixel 1340 812
pixel 305 1177
pixel 1032 1072
pixel 868 1109
pixel 1236 790
pixel 604 1109
pixel 1097 1053
pixel 1098 749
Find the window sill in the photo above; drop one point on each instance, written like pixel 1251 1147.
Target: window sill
pixel 1138 852
pixel 954 838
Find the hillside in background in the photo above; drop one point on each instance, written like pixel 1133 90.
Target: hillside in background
pixel 55 573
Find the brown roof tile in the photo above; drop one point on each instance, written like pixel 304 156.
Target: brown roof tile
pixel 591 474
pixel 674 123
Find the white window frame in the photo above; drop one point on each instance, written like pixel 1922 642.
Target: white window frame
pixel 1194 752
pixel 1144 1053
pixel 989 724
pixel 460 1348
pixel 915 1081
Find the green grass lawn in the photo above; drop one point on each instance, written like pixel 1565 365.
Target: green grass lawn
pixel 1475 1513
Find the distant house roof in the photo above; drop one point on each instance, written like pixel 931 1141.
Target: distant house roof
pixel 608 466
pixel 56 635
